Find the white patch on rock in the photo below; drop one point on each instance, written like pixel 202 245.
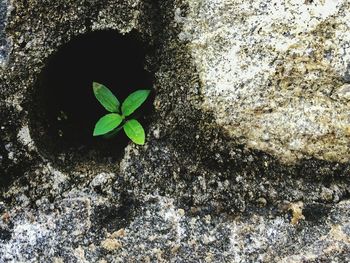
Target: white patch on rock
pixel 25 235
pixel 102 179
pixel 25 138
pixel 172 214
pixel 56 178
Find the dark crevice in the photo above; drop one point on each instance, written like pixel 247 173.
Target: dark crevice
pixel 66 110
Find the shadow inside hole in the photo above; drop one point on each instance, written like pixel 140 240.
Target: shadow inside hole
pixel 65 108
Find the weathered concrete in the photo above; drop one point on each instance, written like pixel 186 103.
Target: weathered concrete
pixel 198 190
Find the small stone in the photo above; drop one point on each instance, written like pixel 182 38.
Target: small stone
pixel 326 194
pixel 344 92
pixel 261 201
pixel 181 212
pixel 57 260
pixel 79 253
pixel 156 133
pixel 338 234
pixel 207 219
pixel 297 212
pixel 147 259
pixel 5 217
pixel 111 244
pixel 175 248
pixel 152 238
pixel 265 136
pixel 119 233
pixel 209 257
pixel 92 247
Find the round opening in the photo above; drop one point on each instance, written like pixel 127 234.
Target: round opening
pixel 65 108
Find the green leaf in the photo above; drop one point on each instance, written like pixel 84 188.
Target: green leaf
pixel 106 97
pixel 107 123
pixel 133 101
pixel 112 133
pixel 135 132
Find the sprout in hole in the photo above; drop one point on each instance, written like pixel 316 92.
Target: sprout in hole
pixel 110 124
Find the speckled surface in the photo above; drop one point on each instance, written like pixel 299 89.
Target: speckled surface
pixel 4 42
pixel 275 74
pixel 194 192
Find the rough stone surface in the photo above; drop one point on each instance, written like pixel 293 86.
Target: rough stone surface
pixel 195 192
pixel 275 74
pixel 4 43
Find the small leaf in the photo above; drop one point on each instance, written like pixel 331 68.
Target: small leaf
pixel 133 101
pixel 107 123
pixel 106 97
pixel 135 132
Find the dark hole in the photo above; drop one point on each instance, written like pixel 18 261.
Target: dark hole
pixel 66 110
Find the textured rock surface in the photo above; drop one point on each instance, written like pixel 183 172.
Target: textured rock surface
pixel 276 74
pixel 64 231
pixel 192 193
pixel 4 45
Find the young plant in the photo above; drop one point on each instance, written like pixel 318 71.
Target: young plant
pixel 116 120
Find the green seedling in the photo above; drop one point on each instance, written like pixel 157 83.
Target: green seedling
pixel 113 122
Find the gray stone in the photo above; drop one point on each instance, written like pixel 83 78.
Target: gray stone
pixel 208 185
pixel 273 69
pixel 4 42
